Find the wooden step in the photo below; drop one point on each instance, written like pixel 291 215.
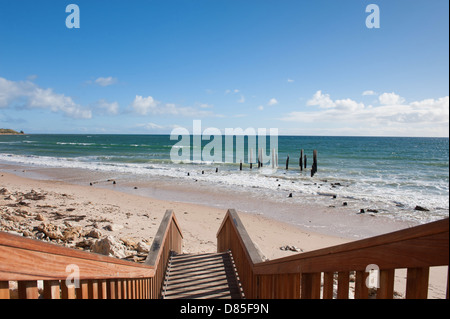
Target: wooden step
pixel 201 276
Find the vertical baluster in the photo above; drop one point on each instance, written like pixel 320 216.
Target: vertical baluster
pixel 328 284
pixel 448 281
pixel 28 289
pixel 386 290
pixel 67 292
pixel 102 289
pixel 417 283
pixel 133 289
pixel 310 286
pixel 93 289
pixel 343 284
pixel 111 289
pixel 361 289
pixel 83 291
pixel 119 287
pixel 4 290
pixel 52 289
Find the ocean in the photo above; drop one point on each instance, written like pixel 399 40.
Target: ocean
pixel 387 176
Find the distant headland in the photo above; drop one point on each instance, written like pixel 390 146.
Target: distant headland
pixel 4 131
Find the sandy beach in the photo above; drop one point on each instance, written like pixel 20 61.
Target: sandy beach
pixel 85 214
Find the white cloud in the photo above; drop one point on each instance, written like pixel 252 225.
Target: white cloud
pixel 321 100
pixel 429 117
pixel 272 101
pixel 205 105
pixel 108 108
pixel 106 81
pixel 156 127
pixel 235 91
pixel 148 105
pixel 29 95
pixel 348 105
pixel 241 100
pixel 260 107
pixel 290 80
pixel 368 92
pixel 143 105
pixel 391 99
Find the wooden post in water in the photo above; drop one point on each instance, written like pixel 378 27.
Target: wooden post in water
pixel 300 162
pixel 240 166
pixel 276 159
pixel 273 159
pixel 251 158
pixel 314 166
pixel 259 157
pixel 262 151
pixel 287 162
pixel 304 159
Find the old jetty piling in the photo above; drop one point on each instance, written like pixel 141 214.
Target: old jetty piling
pixel 314 166
pixel 300 161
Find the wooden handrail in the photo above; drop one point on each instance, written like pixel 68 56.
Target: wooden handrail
pixel 30 259
pixel 162 234
pixel 300 275
pixel 252 252
pixel 27 260
pixel 232 236
pixel 168 239
pixel 404 248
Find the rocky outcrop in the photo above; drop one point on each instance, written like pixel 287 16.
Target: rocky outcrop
pixel 27 214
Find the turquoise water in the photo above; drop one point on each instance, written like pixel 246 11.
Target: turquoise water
pixel 392 174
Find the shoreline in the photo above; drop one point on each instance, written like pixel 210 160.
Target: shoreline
pixel 199 222
pixel 328 217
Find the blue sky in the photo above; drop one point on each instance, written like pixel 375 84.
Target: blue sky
pixel 304 67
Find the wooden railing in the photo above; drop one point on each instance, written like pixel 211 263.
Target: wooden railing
pixel 311 275
pixel 168 239
pixel 27 261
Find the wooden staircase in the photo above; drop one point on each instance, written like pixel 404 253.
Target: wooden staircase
pixel 236 270
pixel 205 276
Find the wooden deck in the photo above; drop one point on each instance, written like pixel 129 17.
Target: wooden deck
pixel 201 276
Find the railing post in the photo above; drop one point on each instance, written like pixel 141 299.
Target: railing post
pixel 4 290
pixel 361 289
pixel 52 289
pixel 417 283
pixel 28 289
pixel 83 291
pixel 310 285
pixel 386 290
pixel 328 284
pixel 67 292
pixel 93 289
pixel 343 284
